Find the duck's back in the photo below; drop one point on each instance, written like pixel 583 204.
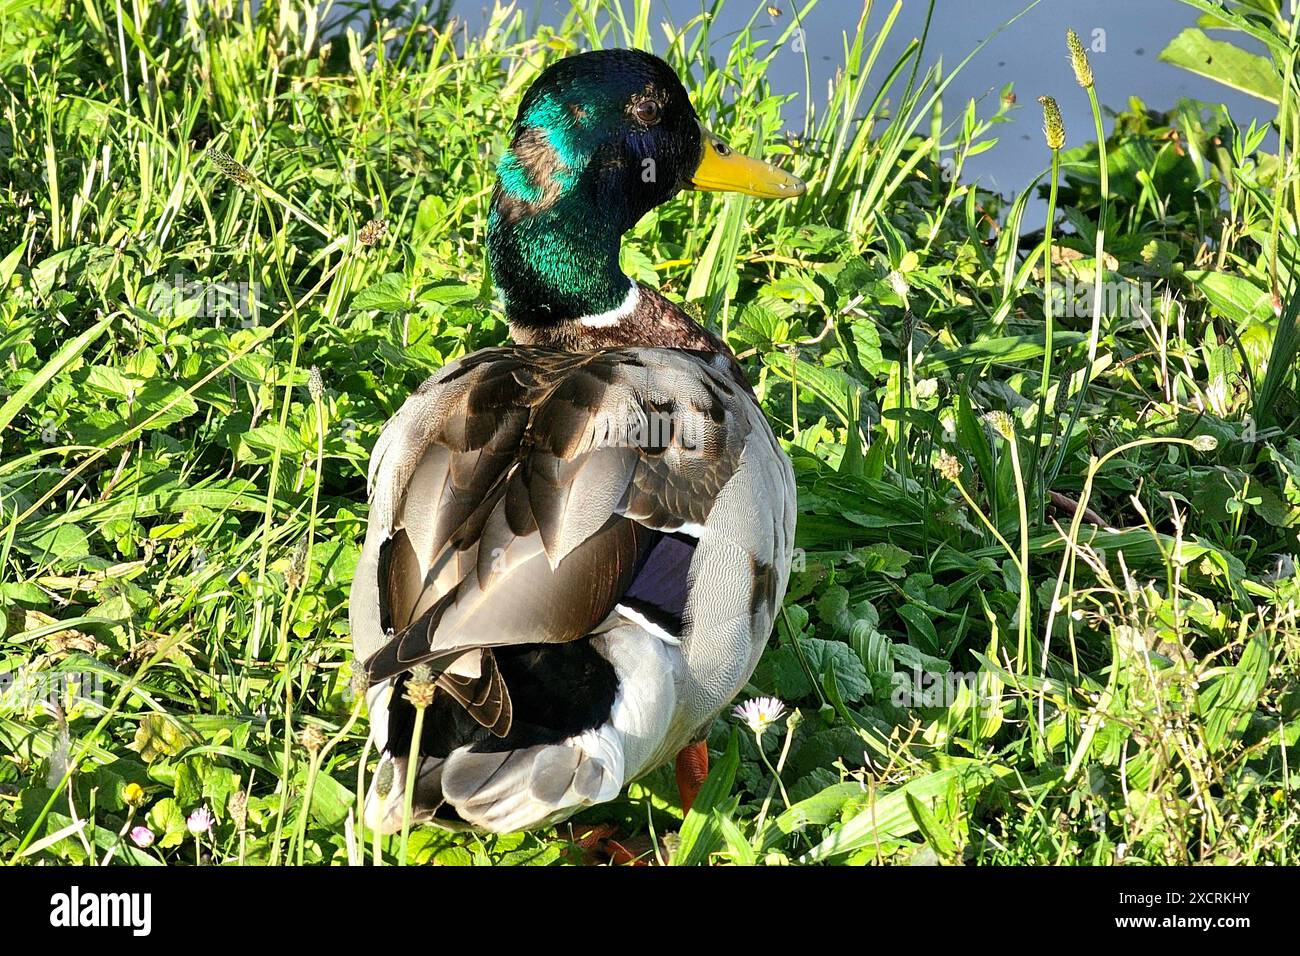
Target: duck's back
pixel 586 550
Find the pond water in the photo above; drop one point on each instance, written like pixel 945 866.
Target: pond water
pixel 1124 36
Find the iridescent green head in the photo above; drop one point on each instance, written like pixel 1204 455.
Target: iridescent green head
pixel 600 139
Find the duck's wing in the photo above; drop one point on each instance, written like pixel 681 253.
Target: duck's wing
pixel 519 492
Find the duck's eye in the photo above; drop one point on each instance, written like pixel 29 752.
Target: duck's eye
pixel 646 111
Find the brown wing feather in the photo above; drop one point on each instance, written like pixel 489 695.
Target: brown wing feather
pixel 515 492
pixel 531 604
pixel 486 697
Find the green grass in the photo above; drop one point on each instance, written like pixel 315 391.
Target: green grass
pixel 1087 551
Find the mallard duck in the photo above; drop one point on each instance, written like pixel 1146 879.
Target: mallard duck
pixel 576 543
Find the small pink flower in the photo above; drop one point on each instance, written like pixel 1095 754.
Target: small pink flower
pixel 200 821
pixel 142 837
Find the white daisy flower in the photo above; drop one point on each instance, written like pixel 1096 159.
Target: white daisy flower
pixel 759 713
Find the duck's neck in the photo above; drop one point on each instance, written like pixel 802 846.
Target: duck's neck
pixel 554 265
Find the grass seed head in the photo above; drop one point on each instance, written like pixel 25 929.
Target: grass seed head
pixel 1053 125
pixel 238 808
pixel 312 738
pixel 1001 423
pixel 384 780
pixel 297 572
pixel 230 167
pixel 373 232
pixel 360 683
pixel 420 687
pixel 948 466
pixel 898 282
pixel 1079 59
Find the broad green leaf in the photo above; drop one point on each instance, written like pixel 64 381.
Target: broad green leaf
pixel 1225 63
pixel 168 822
pixel 60 360
pixel 234 495
pixel 931 828
pixel 330 800
pixel 790 681
pixel 390 294
pixel 831 385
pixel 1236 299
pixel 1001 351
pixel 1227 703
pixel 888 817
pixel 157 737
pixel 10 262
pixel 111 382
pixel 818 810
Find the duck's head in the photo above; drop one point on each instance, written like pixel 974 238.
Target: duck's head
pixel 600 139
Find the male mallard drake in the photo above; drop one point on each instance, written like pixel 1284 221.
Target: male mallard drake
pixel 583 537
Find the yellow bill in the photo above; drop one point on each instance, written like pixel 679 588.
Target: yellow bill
pixel 722 169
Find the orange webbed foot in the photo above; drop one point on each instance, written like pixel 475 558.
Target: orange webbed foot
pixel 692 771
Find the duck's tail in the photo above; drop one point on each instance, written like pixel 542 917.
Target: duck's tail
pixel 501 792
